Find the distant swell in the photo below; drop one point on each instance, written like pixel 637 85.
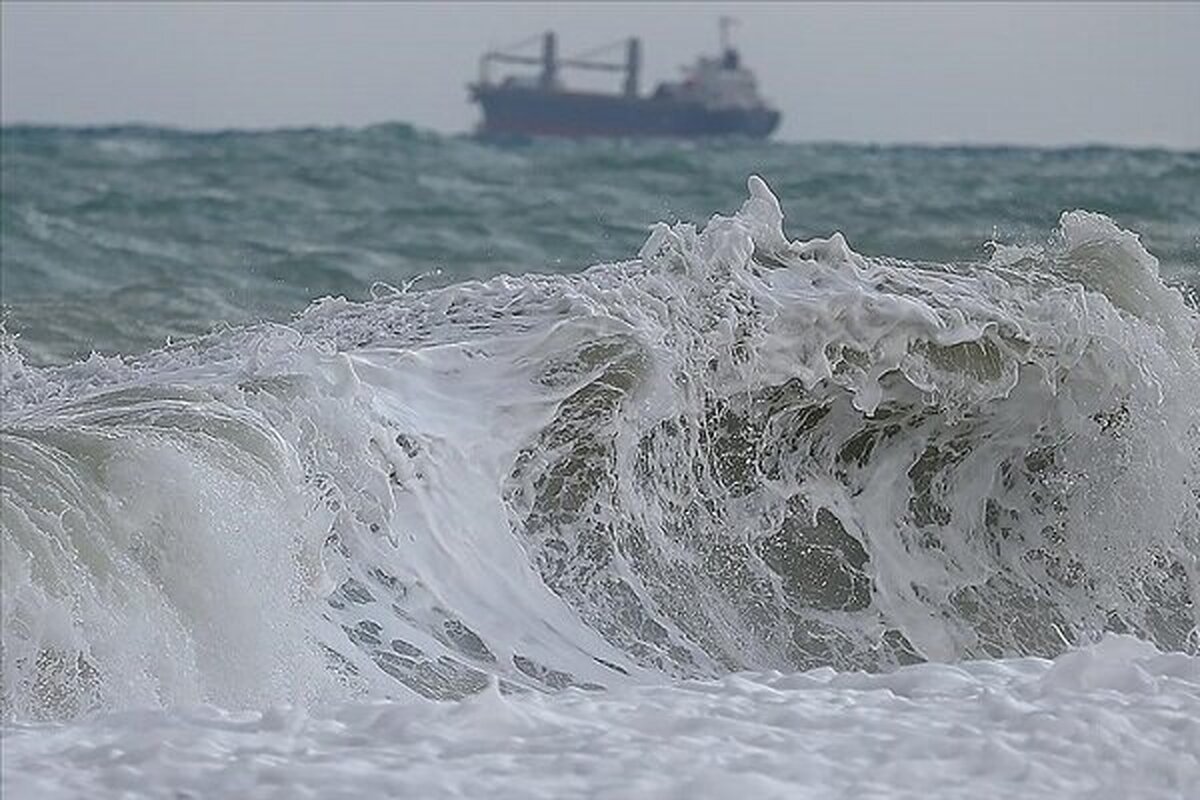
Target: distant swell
pixel 734 451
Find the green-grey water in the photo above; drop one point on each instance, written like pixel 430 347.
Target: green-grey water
pixel 120 239
pixel 364 420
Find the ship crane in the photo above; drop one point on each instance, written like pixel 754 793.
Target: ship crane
pixel 551 63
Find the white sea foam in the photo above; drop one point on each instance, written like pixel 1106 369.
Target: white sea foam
pixel 736 452
pixel 1115 720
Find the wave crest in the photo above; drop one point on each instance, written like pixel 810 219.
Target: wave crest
pixel 735 451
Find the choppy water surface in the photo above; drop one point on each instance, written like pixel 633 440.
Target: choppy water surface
pixel 169 233
pixel 627 428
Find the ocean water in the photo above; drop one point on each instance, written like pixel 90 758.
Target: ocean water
pixel 375 460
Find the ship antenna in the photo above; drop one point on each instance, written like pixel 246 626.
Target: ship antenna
pixel 725 23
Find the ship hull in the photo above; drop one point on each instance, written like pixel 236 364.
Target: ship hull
pixel 520 111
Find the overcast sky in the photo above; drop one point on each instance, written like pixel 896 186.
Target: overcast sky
pixel 1021 73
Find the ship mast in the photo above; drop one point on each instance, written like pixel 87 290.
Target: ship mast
pixel 724 24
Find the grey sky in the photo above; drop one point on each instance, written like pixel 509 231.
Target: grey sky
pixel 934 72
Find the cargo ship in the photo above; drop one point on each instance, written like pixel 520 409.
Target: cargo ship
pixel 718 96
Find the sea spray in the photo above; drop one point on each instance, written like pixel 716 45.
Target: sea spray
pixel 733 451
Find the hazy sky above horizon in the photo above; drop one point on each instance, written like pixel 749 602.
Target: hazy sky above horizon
pixel 1019 73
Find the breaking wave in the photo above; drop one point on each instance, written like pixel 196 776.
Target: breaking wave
pixel 734 451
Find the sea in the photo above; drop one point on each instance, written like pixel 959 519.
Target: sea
pixel 376 462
